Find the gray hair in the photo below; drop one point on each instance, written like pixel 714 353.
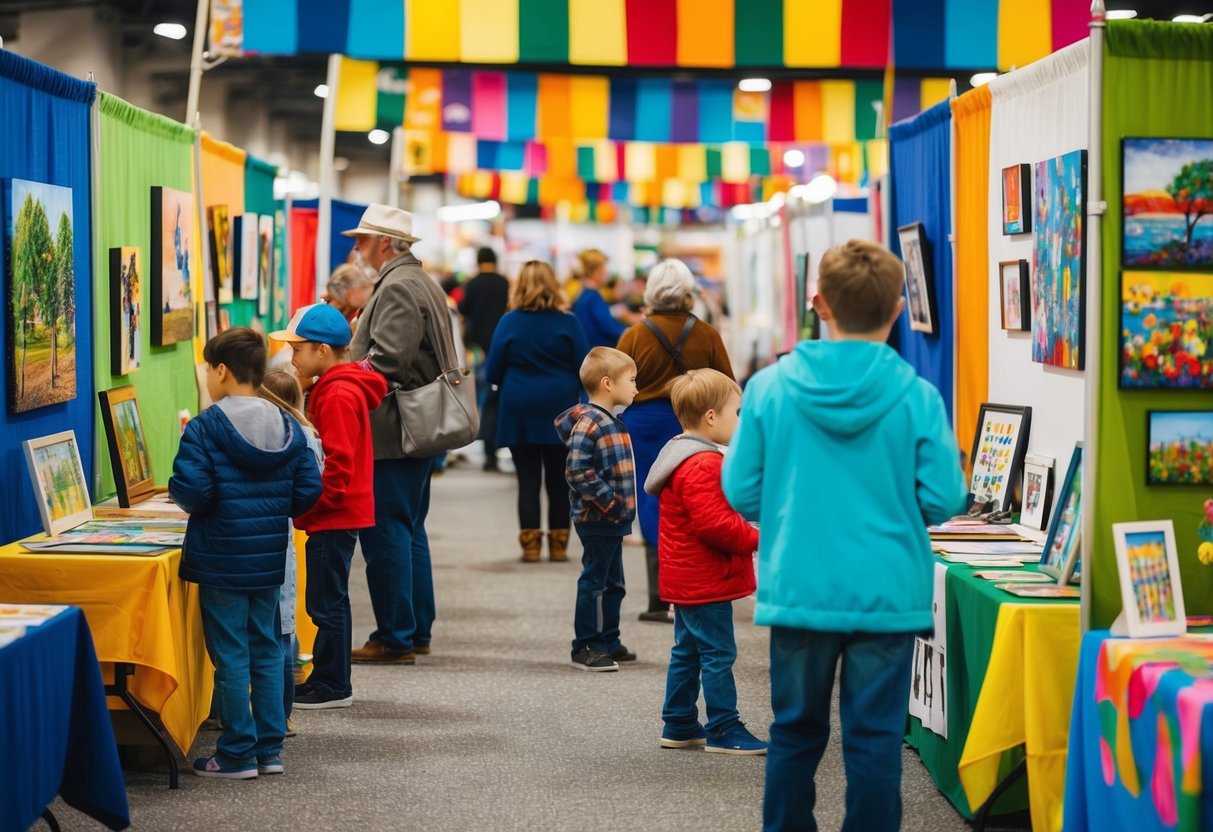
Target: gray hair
pixel 400 246
pixel 670 287
pixel 346 277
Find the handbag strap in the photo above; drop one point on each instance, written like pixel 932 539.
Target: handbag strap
pixel 442 349
pixel 674 350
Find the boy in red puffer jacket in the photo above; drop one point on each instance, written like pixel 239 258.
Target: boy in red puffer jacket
pixel 705 550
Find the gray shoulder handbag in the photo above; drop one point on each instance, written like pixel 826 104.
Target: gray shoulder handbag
pixel 441 415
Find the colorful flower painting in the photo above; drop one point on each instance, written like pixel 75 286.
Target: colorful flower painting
pixel 1166 326
pixel 1059 261
pixel 1168 203
pixel 1180 448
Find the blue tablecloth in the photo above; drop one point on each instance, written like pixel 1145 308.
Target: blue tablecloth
pixel 55 732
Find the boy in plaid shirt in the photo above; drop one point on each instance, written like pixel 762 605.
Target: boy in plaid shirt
pixel 602 475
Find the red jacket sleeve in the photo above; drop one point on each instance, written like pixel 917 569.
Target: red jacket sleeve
pixel 344 419
pixel 717 524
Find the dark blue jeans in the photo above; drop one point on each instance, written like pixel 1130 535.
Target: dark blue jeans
pixel 287 641
pixel 600 592
pixel 875 689
pixel 241 630
pixel 329 555
pixel 397 553
pixel 703 647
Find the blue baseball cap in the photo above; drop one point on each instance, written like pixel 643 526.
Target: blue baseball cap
pixel 320 323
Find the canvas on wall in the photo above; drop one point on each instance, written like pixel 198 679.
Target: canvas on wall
pixel 1180 447
pixel 1168 203
pixel 1058 315
pixel 126 310
pixel 41 295
pixel 1014 292
pixel 920 297
pixel 247 255
pixel 1166 330
pixel 172 256
pixel 221 253
pixel 1017 199
pixel 265 269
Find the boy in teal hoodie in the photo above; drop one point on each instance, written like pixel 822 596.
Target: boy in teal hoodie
pixel 844 456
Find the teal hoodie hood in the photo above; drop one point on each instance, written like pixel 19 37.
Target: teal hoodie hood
pixel 844 456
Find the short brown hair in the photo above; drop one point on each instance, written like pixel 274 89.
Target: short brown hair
pixel 241 350
pixel 861 282
pixel 536 288
pixel 695 392
pixel 604 362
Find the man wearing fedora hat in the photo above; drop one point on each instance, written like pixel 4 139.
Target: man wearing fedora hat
pixel 393 338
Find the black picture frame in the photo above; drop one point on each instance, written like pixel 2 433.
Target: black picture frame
pixel 1021 278
pixel 989 447
pixel 1021 175
pixel 1182 476
pixel 920 281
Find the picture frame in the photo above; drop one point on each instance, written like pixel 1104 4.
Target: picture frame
pixel 997 453
pixel 1062 551
pixel 1151 590
pixel 1037 491
pixel 172 258
pixel 1161 226
pixel 128 451
pixel 221 253
pixel 1015 295
pixel 1179 445
pixel 265 271
pixel 1016 199
pixel 57 476
pixel 126 310
pixel 1166 331
pixel 919 286
pixel 1059 259
pixel 246 259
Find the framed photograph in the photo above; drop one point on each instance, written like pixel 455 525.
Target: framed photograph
pixel 1059 261
pixel 221 253
pixel 1150 586
pixel 1167 222
pixel 1017 199
pixel 126 279
pixel 1015 293
pixel 41 338
pixel 1037 491
pixel 1166 331
pixel 247 255
pixel 1180 447
pixel 172 258
pixel 997 454
pixel 920 289
pixel 127 445
pixel 1060 557
pixel 225 319
pixel 57 475
pixel 265 270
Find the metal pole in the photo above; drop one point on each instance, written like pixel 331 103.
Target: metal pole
pixel 328 143
pixel 200 19
pixel 955 275
pixel 397 165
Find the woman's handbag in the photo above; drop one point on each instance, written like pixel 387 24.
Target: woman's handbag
pixel 442 415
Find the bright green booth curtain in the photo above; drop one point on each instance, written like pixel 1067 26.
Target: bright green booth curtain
pixel 1158 82
pixel 137 150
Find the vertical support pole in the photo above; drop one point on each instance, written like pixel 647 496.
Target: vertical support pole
pixel 328 143
pixel 200 21
pixel 397 167
pixel 955 275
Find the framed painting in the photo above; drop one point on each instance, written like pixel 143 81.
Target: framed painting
pixel 1037 491
pixel 1168 203
pixel 247 256
pixel 1180 447
pixel 1060 557
pixel 1017 199
pixel 920 293
pixel 997 454
pixel 172 257
pixel 126 310
pixel 127 444
pixel 265 269
pixel 41 295
pixel 1150 587
pixel 1059 261
pixel 212 319
pixel 1166 330
pixel 57 475
pixel 281 266
pixel 221 253
pixel 1014 292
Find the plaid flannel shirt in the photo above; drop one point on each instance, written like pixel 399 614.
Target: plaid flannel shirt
pixel 600 470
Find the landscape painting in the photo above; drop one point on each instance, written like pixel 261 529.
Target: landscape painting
pixel 1059 261
pixel 1168 203
pixel 173 256
pixel 1166 330
pixel 1181 448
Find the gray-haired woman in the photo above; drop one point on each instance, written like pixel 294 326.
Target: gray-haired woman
pixel 349 288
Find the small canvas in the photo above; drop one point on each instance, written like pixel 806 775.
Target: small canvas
pixel 247 255
pixel 1151 590
pixel 57 476
pixel 1014 294
pixel 1180 447
pixel 1017 199
pixel 1059 261
pixel 1168 203
pixel 221 253
pixel 126 310
pixel 997 454
pixel 1037 488
pixel 1062 551
pixel 920 295
pixel 265 270
pixel 173 258
pixel 128 453
pixel 1166 330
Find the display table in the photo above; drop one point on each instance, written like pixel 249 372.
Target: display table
pixel 1141 729
pixel 54 727
pixel 1009 681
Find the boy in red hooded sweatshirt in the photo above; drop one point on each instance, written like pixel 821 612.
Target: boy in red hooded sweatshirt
pixel 340 405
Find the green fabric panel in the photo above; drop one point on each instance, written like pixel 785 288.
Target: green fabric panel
pixel 532 192
pixel 1147 92
pixel 543 31
pixel 866 92
pixel 712 156
pixel 139 149
pixel 758 32
pixel 391 83
pixel 585 164
pixel 760 161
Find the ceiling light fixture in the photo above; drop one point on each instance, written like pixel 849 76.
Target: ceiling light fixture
pixel 793 157
pixel 1188 18
pixel 982 78
pixel 469 212
pixel 754 84
pixel 821 189
pixel 172 31
pixel 321 91
pixel 379 136
pixel 1120 14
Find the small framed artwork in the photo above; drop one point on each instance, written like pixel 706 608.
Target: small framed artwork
pixel 1060 557
pixel 265 271
pixel 225 319
pixel 997 457
pixel 920 292
pixel 212 319
pixel 1150 587
pixel 1166 327
pixel 126 310
pixel 1016 295
pixel 1179 447
pixel 1167 224
pixel 57 475
pixel 172 257
pixel 1017 199
pixel 1037 490
pixel 247 255
pixel 221 253
pixel 127 445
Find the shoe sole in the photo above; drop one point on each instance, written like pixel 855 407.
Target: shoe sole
pixel 392 660
pixel 322 706
pixel 606 669
pixel 251 774
pixel 737 752
pixel 278 769
pixel 631 658
pixel 422 649
pixel 696 743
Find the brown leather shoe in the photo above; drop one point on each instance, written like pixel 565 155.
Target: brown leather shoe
pixel 421 649
pixel 376 652
pixel 531 541
pixel 558 545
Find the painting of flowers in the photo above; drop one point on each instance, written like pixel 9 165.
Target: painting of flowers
pixel 1168 203
pixel 1166 325
pixel 1180 448
pixel 1059 261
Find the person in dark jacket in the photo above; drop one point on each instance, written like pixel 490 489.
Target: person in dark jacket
pixel 484 301
pixel 242 470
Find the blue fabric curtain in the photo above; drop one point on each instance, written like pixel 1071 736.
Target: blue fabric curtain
pixel 920 171
pixel 44 137
pixel 345 215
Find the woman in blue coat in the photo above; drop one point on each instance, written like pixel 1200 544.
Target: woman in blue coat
pixel 535 361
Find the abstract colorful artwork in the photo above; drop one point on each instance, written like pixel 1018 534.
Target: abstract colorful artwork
pixel 57 476
pixel 1058 314
pixel 173 255
pixel 126 310
pixel 1180 450
pixel 1148 567
pixel 1168 203
pixel 1166 330
pixel 998 452
pixel 1017 199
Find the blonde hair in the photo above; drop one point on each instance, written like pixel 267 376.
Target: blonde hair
pixel 861 282
pixel 604 362
pixel 589 261
pixel 280 388
pixel 695 392
pixel 536 288
pixel 670 287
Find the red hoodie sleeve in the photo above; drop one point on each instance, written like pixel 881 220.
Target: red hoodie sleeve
pixel 345 416
pixel 716 523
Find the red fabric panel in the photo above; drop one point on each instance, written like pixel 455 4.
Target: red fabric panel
pixel 304 222
pixel 782 114
pixel 620 165
pixel 652 32
pixel 865 32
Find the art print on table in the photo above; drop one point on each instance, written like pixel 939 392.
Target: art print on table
pixel 57 476
pixel 265 270
pixel 1168 203
pixel 127 445
pixel 1060 557
pixel 1059 261
pixel 1150 587
pixel 1166 330
pixel 173 256
pixel 126 310
pixel 1014 294
pixel 1180 447
pixel 221 253
pixel 1017 199
pixel 41 295
pixel 1022 590
pixel 997 454
pixel 1037 488
pixel 920 292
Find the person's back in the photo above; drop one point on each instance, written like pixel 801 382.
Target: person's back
pixel 484 301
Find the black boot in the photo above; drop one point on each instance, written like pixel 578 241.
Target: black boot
pixel 658 610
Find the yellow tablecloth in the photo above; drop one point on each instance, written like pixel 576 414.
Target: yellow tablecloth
pixel 305 630
pixel 1025 701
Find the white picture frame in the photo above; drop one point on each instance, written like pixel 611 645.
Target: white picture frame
pixel 1151 588
pixel 57 476
pixel 1037 491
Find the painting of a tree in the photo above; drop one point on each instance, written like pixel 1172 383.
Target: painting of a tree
pixel 1192 190
pixel 1167 203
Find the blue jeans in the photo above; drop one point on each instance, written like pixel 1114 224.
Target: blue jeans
pixel 397 554
pixel 241 630
pixel 875 688
pixel 329 555
pixel 600 592
pixel 650 424
pixel 703 646
pixel 287 641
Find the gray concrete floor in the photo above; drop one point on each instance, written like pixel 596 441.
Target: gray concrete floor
pixel 495 730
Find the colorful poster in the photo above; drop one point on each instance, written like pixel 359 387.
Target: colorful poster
pixel 1059 260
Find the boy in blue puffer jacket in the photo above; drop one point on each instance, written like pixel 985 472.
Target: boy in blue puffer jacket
pixel 844 456
pixel 243 468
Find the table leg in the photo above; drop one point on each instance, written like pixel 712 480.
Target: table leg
pixel 49 817
pixel 122 670
pixel 983 813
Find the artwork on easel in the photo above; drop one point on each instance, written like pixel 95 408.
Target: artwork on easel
pixel 172 258
pixel 128 453
pixel 126 310
pixel 57 476
pixel 996 459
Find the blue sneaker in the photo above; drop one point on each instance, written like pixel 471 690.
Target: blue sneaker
pixel 270 765
pixel 676 736
pixel 214 767
pixel 736 740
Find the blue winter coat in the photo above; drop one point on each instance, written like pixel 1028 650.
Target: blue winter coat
pixel 239 497
pixel 601 328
